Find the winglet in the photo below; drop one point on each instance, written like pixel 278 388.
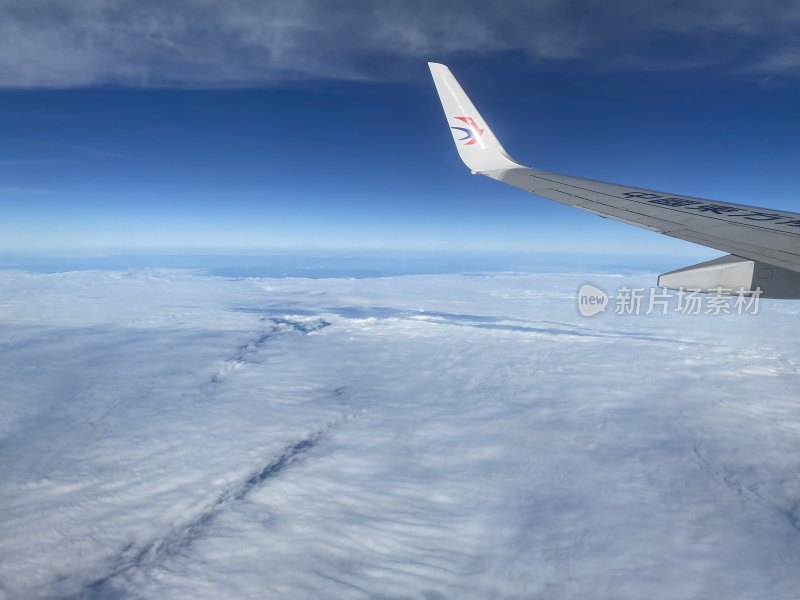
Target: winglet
pixel 476 144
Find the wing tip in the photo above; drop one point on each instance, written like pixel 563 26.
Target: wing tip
pixel 480 150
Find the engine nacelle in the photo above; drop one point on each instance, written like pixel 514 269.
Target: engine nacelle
pixel 732 274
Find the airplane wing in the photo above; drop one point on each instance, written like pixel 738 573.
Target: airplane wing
pixel 763 244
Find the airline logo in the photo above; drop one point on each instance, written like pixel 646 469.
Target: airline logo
pixel 471 133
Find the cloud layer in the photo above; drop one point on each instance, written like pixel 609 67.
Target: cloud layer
pixel 59 43
pixel 169 435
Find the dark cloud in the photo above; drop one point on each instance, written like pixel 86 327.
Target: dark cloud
pixel 66 43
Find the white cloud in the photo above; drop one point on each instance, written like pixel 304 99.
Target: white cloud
pixel 59 43
pixel 170 435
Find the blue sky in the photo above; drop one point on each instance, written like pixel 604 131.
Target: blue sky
pixel 126 149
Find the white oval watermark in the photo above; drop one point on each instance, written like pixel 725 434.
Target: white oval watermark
pixel 592 300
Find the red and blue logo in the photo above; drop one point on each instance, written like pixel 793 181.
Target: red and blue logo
pixel 471 133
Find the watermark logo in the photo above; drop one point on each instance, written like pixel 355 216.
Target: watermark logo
pixel 592 300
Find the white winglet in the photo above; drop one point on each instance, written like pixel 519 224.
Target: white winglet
pixel 475 142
